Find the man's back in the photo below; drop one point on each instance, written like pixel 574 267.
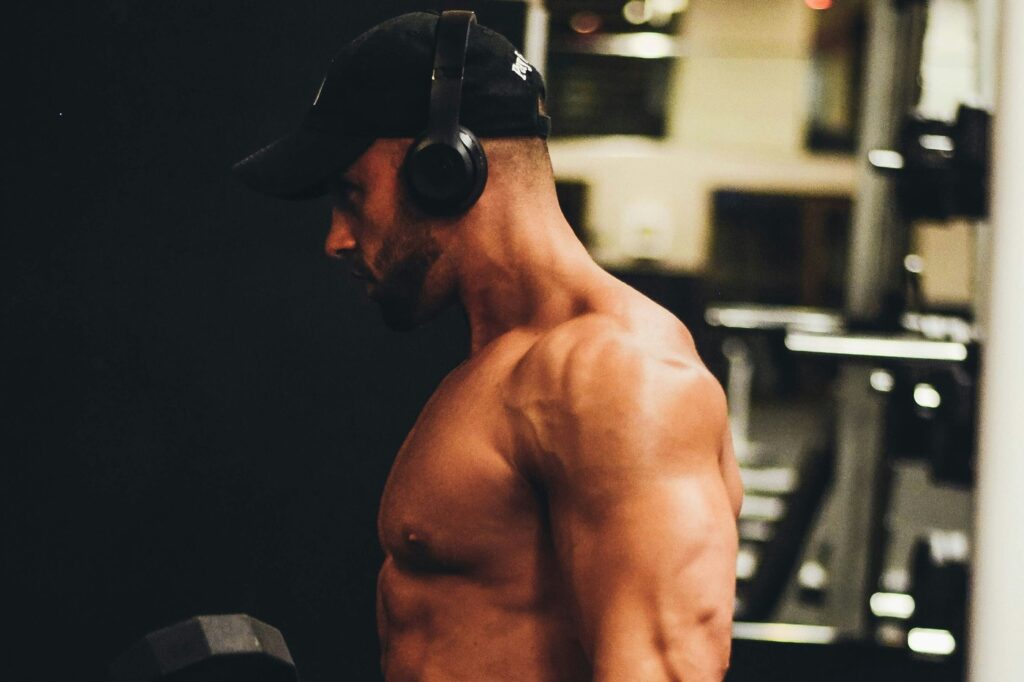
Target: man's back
pixel 475 584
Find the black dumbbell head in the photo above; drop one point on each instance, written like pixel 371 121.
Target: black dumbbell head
pixel 230 648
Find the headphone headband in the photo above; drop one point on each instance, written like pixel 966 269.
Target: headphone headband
pixel 449 72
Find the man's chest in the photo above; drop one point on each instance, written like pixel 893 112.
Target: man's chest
pixel 453 500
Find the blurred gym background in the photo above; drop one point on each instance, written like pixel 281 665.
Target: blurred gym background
pixel 199 411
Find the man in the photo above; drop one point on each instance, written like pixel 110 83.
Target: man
pixel 564 508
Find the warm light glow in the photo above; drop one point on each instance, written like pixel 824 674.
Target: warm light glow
pixel 585 22
pixel 819 4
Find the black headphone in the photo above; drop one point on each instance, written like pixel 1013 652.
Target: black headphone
pixel 446 168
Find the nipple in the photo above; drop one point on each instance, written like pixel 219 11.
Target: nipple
pixel 415 541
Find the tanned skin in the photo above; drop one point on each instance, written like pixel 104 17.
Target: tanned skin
pixel 565 507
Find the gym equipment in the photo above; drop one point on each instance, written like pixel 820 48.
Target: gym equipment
pixel 883 563
pixel 224 648
pixel 778 505
pixel 445 168
pixel 941 169
pixel 741 320
pixel 783 488
pixel 931 415
pixel 940 577
pixel 929 390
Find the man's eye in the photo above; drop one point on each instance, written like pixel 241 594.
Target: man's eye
pixel 345 200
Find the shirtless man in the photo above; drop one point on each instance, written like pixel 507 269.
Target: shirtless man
pixel 565 507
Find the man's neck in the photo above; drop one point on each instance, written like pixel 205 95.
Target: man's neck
pixel 522 270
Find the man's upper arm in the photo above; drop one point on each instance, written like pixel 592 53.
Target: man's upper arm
pixel 641 520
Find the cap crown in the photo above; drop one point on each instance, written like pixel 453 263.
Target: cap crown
pixel 379 84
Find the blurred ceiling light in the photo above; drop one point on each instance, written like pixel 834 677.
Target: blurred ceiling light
pixel 929 641
pixel 892 605
pixel 643 45
pixel 887 159
pixel 819 4
pixel 773 317
pixel 926 396
pixel 746 564
pixel 637 12
pixel 896 580
pixel 948 546
pixel 812 576
pixel 585 22
pixel 939 327
pixel 664 10
pixel 670 6
pixel 657 13
pixel 938 143
pixel 914 263
pixel 882 381
pixel 762 507
pixel 660 20
pixel 776 480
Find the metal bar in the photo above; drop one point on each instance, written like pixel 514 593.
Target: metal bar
pixel 874 220
pixel 856 497
pixel 753 316
pixel 787 633
pixel 883 347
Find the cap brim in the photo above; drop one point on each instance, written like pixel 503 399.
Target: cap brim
pixel 298 165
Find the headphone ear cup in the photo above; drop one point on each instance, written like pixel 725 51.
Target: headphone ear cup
pixel 478 182
pixel 446 177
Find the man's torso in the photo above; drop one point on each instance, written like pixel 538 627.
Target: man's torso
pixel 470 588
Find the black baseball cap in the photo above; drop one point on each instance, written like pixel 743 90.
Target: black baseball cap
pixel 378 86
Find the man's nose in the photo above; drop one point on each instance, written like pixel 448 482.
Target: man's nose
pixel 339 240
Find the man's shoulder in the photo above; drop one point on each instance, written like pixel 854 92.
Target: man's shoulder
pixel 599 351
pixel 595 382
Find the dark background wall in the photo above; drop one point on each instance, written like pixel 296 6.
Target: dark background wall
pixel 198 410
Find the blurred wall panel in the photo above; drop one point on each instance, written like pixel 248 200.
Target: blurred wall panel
pixel 744 82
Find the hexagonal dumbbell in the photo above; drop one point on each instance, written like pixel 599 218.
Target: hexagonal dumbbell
pixel 228 648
